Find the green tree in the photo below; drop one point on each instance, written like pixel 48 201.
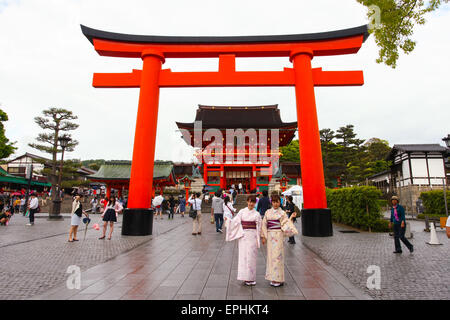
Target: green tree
pixel 6 147
pixel 58 121
pixel 397 19
pixel 291 152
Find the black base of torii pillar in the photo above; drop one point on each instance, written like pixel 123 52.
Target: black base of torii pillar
pixel 137 222
pixel 317 223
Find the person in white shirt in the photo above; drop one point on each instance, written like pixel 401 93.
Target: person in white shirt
pixel 228 211
pixel 196 203
pixel 240 187
pixel 22 207
pixel 33 207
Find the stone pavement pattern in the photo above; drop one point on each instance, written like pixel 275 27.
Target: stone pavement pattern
pixel 424 274
pixel 35 259
pixel 178 265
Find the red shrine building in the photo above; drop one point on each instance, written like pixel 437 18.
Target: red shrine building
pixel 228 162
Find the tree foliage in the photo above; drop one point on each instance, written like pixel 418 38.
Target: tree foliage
pixel 58 121
pixel 397 19
pixel 345 157
pixel 291 152
pixel 6 147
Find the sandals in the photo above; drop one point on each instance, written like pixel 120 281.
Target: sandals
pixel 69 240
pixel 76 240
pixel 109 238
pixel 101 238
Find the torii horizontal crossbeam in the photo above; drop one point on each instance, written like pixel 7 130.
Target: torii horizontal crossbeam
pixel 169 79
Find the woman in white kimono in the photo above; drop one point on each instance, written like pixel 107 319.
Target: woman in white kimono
pixel 246 226
pixel 271 233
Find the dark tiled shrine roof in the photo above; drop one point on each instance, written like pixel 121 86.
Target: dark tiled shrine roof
pixel 121 170
pixel 239 117
pixel 416 148
pixel 420 147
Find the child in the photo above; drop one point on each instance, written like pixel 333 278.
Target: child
pixel 246 226
pixel 271 233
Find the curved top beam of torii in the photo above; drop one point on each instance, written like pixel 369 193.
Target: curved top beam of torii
pixel 131 46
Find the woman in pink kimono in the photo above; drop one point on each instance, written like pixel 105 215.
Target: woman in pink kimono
pixel 246 226
pixel 271 233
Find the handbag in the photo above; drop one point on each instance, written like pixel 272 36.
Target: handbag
pixel 288 229
pixel 192 212
pixel 212 220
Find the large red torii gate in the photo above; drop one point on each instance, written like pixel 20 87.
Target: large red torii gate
pixel 153 50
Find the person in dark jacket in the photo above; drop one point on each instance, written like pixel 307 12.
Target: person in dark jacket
pixel 290 209
pixel 399 221
pixel 172 206
pixel 263 203
pixel 165 205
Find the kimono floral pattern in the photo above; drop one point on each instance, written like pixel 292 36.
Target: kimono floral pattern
pixel 275 246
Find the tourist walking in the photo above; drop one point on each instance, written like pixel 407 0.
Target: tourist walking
pixel 33 208
pixel 240 187
pixel 399 221
pixel 196 204
pixel 23 205
pixel 165 206
pixel 172 206
pixel 182 206
pixel 157 203
pixel 110 216
pixel 94 204
pixel 75 220
pixel 217 211
pixel 263 203
pixel 246 226
pixel 271 233
pixel 290 209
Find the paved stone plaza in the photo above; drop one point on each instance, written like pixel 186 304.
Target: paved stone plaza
pixel 173 264
pixel 424 274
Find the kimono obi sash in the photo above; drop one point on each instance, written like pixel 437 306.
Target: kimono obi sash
pixel 248 224
pixel 273 224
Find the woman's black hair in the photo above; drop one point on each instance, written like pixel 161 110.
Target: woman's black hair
pixel 226 200
pixel 275 198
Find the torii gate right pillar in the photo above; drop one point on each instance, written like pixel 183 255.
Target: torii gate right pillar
pixel 316 217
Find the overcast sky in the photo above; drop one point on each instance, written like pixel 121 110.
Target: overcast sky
pixel 45 61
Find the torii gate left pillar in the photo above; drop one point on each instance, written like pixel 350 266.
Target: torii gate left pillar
pixel 138 220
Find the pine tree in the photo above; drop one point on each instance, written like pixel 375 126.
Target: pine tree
pixel 58 121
